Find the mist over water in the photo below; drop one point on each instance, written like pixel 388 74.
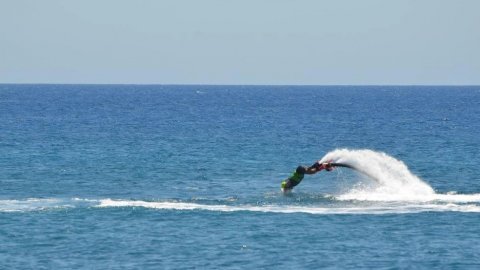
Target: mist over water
pixel 390 179
pixel 393 179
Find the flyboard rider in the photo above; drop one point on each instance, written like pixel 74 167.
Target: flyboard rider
pixel 297 176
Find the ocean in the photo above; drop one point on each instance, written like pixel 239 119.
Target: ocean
pixel 188 177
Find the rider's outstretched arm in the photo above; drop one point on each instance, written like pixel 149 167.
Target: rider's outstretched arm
pixel 318 167
pixel 312 170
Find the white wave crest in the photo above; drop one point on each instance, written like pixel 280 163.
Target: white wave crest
pixel 374 209
pixel 32 204
pixel 41 204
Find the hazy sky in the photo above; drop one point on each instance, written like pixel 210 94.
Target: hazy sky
pixel 240 42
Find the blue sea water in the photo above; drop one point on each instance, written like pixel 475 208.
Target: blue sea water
pixel 188 177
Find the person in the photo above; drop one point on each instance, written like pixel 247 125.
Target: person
pixel 297 177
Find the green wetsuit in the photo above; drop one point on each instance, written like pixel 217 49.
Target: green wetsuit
pixel 293 180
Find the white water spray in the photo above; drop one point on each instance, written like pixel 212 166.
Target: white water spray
pixel 394 182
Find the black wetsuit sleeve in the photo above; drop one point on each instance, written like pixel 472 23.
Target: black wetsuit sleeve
pixel 315 166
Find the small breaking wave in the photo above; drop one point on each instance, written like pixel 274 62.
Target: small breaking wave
pixel 349 209
pixel 465 203
pixel 43 204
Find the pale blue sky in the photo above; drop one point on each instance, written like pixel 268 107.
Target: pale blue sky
pixel 240 42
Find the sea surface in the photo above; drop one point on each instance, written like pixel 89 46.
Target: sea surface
pixel 188 177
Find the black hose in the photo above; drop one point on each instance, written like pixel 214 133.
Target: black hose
pixel 354 168
pixel 342 165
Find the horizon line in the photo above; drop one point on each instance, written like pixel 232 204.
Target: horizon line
pixel 207 84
